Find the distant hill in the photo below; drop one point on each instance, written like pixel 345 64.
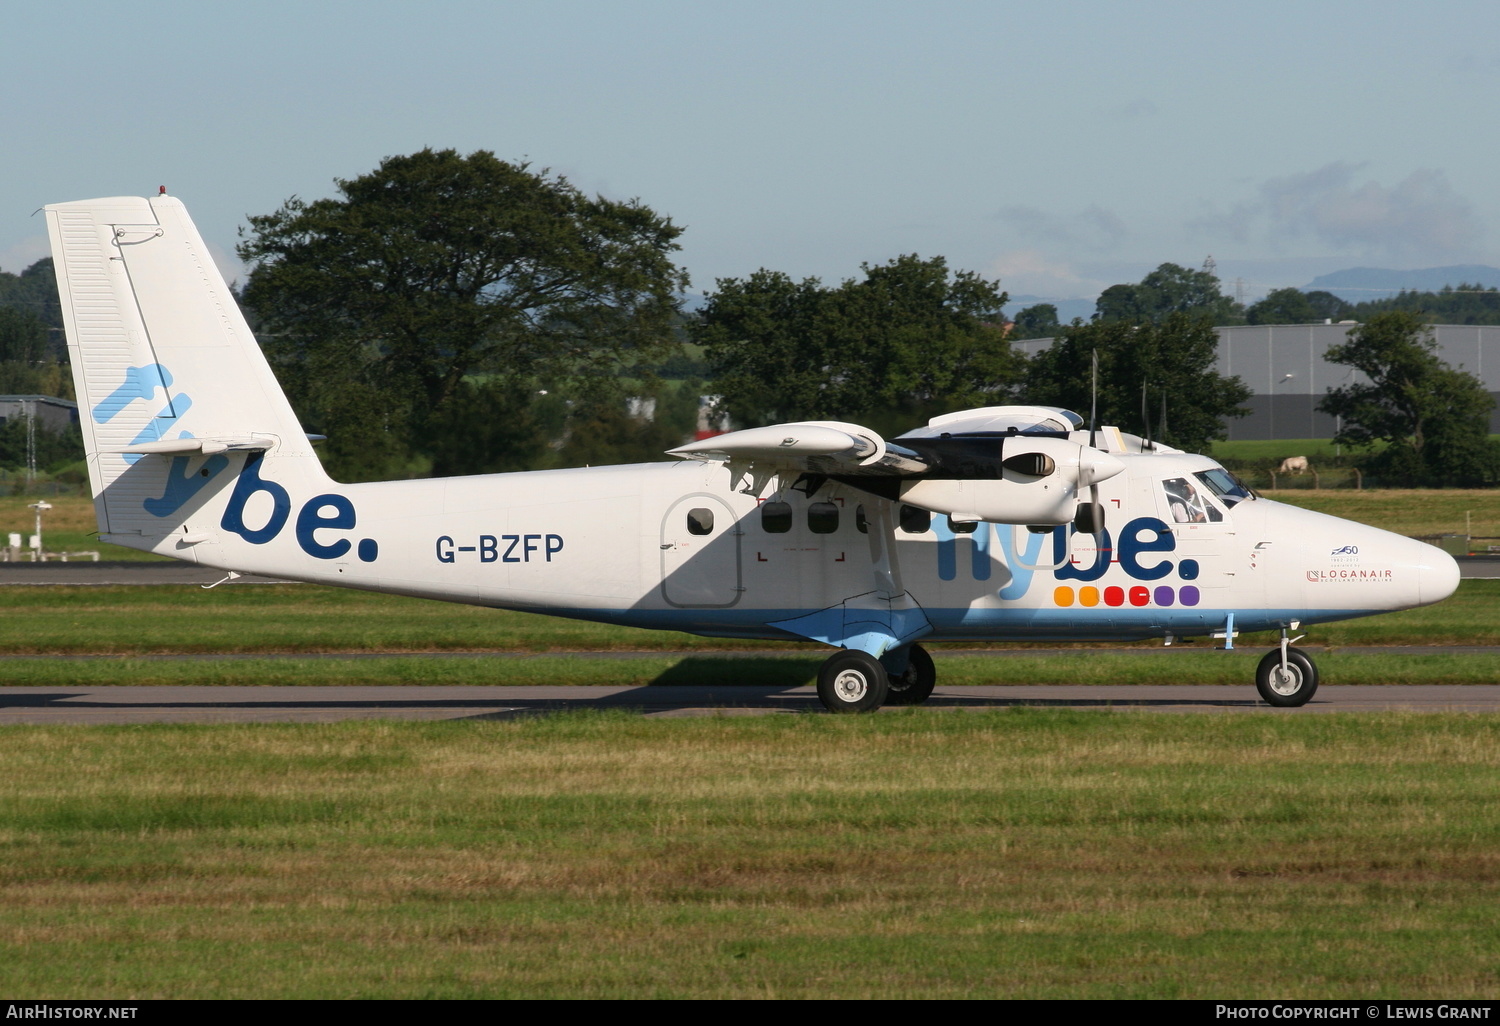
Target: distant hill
pixel 1362 284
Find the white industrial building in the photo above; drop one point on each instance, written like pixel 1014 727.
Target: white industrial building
pixel 1284 365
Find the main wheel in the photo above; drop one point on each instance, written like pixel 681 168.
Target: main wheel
pixel 852 682
pixel 915 685
pixel 1290 687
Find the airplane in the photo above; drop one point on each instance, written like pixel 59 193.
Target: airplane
pixel 1007 523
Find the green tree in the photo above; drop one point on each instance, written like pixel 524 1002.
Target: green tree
pixel 910 338
pixel 1168 290
pixel 1293 306
pixel 1039 321
pixel 1328 307
pixel 1282 306
pixel 28 364
pixel 435 274
pixel 1169 364
pixel 23 336
pixel 1464 304
pixel 1434 419
pixel 34 290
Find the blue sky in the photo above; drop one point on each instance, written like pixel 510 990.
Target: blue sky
pixel 1059 147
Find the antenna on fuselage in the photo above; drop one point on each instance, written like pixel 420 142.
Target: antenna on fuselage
pixel 1145 417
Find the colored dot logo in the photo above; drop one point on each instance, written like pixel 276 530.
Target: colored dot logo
pixel 1164 595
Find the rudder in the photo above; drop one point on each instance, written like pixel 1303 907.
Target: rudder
pixel 174 394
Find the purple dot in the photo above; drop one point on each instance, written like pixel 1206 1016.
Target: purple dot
pixel 1164 596
pixel 1188 596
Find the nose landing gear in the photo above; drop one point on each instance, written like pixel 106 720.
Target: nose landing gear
pixel 1287 677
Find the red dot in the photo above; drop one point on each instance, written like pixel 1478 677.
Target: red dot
pixel 1139 596
pixel 1114 596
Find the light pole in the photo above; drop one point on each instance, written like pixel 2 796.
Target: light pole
pixel 37 552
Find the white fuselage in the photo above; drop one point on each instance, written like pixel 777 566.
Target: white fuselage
pixel 623 544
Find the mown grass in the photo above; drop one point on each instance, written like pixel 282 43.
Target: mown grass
pixel 1010 854
pixel 70 524
pixel 308 619
pixel 1276 449
pixel 786 670
pixel 1409 511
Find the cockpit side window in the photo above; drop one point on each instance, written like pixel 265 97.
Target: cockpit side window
pixel 1188 503
pixel 1223 484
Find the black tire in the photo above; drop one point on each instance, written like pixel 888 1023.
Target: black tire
pixel 1296 687
pixel 915 685
pixel 852 682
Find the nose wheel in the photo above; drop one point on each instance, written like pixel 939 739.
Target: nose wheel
pixel 1286 677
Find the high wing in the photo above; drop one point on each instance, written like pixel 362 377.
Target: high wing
pixel 1004 464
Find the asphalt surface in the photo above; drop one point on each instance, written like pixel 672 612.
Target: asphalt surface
pixel 193 704
pixel 128 705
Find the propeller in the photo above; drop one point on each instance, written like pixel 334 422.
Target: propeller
pixel 1090 516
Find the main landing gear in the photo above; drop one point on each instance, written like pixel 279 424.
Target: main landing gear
pixel 1286 676
pixel 852 681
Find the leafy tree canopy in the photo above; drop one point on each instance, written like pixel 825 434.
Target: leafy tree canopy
pixel 910 337
pixel 1039 321
pixel 1282 306
pixel 1168 290
pixel 1163 372
pixel 33 353
pixel 1462 304
pixel 436 275
pixel 34 291
pixel 1434 419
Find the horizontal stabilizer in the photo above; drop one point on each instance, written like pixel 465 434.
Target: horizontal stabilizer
pixel 206 446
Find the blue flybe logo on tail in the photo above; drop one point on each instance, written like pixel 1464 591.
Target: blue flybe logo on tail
pixel 318 516
pixel 184 479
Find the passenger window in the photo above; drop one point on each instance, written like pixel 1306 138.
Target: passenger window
pixel 861 524
pixel 700 521
pixel 960 527
pixel 775 517
pixel 915 521
pixel 822 518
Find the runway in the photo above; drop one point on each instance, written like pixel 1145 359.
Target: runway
pixel 133 705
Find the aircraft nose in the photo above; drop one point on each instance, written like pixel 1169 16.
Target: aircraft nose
pixel 1437 574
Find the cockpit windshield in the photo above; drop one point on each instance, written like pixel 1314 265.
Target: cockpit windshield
pixel 1224 485
pixel 1187 503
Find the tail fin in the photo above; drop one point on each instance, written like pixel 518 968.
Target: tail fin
pixel 174 395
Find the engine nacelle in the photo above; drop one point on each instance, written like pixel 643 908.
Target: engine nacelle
pixel 1040 483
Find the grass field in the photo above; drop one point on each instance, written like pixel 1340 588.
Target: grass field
pixel 70 524
pixel 1187 667
pixel 920 853
pixel 248 619
pixel 1024 853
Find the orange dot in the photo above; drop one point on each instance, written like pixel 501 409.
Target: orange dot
pixel 1088 596
pixel 1063 596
